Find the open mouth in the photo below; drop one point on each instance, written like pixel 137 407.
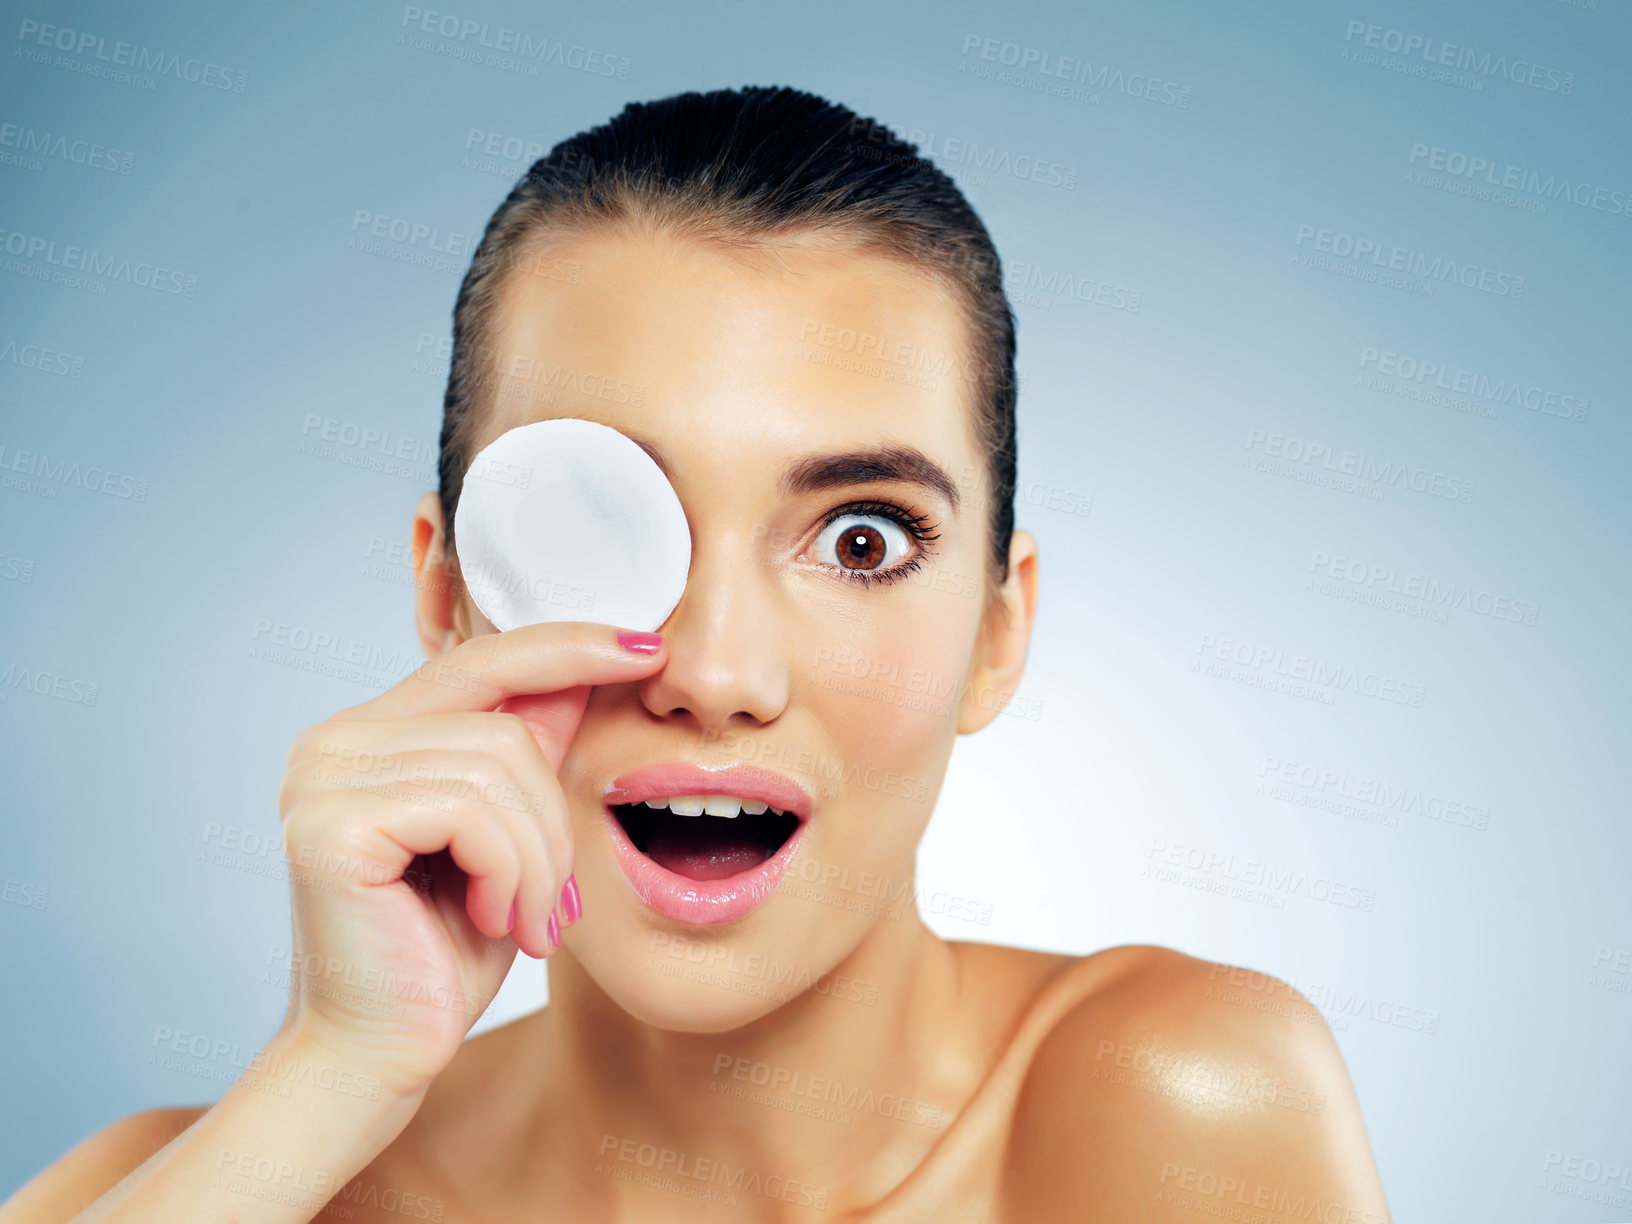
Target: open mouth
pixel 704 846
pixel 706 837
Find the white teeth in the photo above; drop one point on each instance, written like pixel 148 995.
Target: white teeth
pixel 726 806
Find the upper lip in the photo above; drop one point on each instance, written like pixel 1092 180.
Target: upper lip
pixel 669 778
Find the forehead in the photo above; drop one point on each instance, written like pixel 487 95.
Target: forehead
pixel 729 353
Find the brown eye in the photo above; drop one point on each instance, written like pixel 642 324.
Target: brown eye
pixel 862 542
pixel 861 548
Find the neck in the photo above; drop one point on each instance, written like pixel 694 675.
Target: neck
pixel 842 1095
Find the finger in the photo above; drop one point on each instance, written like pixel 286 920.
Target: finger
pixel 511 779
pixel 374 838
pixel 543 803
pixel 481 672
pixel 543 843
pixel 378 746
pixel 552 717
pixel 517 787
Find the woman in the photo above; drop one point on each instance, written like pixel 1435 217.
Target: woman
pixel 804 324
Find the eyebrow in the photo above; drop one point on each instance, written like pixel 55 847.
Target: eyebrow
pixel 906 464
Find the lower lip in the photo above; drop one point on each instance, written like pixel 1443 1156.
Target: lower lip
pixel 700 902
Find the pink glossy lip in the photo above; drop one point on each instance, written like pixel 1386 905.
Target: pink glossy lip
pixel 704 902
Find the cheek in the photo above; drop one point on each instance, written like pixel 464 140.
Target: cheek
pixel 885 688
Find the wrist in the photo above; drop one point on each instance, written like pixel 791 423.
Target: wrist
pixel 312 1059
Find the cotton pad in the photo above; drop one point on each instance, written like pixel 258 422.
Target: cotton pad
pixel 568 520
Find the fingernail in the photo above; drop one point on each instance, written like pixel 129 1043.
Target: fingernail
pixel 571 904
pixel 641 643
pixel 554 930
pixel 510 922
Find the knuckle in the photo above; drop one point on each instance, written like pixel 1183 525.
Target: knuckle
pixel 301 783
pixel 538 801
pixel 325 824
pixel 505 855
pixel 514 795
pixel 288 787
pixel 314 741
pixel 486 776
pixel 299 827
pixel 299 748
pixel 511 734
pixel 471 801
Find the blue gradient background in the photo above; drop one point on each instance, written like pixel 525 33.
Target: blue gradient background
pixel 1141 416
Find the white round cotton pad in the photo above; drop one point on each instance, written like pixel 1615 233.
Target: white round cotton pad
pixel 571 520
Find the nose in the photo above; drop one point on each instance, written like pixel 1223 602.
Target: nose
pixel 728 660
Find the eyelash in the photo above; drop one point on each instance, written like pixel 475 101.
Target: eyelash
pixel 917 526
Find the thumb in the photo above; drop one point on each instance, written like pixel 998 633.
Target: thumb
pixel 554 718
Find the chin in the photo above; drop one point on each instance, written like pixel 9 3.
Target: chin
pixel 719 978
pixel 722 891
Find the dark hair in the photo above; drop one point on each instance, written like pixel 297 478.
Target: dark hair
pixel 742 167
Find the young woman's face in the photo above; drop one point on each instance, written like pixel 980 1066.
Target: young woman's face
pixel 807 409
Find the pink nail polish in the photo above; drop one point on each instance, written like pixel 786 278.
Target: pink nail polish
pixel 571 904
pixel 510 922
pixel 641 643
pixel 554 930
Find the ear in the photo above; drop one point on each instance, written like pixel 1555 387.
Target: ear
pixel 439 611
pixel 1001 645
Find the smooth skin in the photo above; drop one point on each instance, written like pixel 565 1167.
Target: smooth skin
pixel 937 1080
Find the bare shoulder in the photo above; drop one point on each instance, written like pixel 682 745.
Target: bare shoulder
pixel 1171 1084
pixel 89 1170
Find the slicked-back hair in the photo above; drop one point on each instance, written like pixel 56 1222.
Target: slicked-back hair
pixel 746 167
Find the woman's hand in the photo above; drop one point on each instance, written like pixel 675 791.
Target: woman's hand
pixel 428 838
